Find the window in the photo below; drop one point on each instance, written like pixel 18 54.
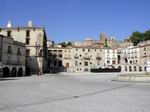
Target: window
pixel 80 63
pixel 41 53
pixel 67 65
pixel 28 52
pixel 9 50
pixel 80 55
pixel 86 63
pixel 134 68
pixel 88 50
pixel 130 62
pixel 28 33
pixel 98 62
pixel 114 62
pixel 27 41
pixel 76 63
pixel 140 68
pixel 83 50
pixel 60 55
pixel 108 62
pixel 8 33
pixel 18 52
pixel 130 68
pixel 126 68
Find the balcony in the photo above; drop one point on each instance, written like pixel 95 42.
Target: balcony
pixel 98 58
pixel 144 56
pixel 87 58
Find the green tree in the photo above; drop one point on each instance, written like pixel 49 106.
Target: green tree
pixel 147 35
pixel 136 37
pixel 63 44
pixel 69 44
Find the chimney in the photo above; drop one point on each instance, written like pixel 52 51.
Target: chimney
pixel 9 24
pixel 29 24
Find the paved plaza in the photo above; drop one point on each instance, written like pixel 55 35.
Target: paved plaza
pixel 73 92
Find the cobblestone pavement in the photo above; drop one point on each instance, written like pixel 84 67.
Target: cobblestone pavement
pixel 66 92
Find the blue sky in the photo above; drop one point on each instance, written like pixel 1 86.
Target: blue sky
pixel 75 20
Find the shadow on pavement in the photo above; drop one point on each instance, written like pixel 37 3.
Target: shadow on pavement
pixel 7 79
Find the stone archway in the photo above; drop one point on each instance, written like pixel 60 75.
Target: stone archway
pixel 86 70
pixel 14 72
pixel 6 72
pixel 59 63
pixel 28 71
pixel 20 72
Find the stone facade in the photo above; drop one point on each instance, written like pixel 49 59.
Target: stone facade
pixel 110 58
pixel 81 59
pixel 12 57
pixel 145 54
pixel 131 60
pixel 35 40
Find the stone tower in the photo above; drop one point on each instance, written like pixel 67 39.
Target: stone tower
pixel 102 38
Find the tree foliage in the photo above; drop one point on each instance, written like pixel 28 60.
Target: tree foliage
pixel 137 37
pixel 65 44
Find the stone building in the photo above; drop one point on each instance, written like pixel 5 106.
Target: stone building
pixel 130 60
pixel 145 54
pixel 110 58
pixel 88 43
pixel 85 58
pixel 59 59
pixel 12 57
pixel 35 42
pixel 81 59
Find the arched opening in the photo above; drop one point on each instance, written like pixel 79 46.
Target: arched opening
pixel 119 58
pixel 59 63
pixel 144 68
pixel 126 60
pixel 41 53
pixel 60 55
pixel 28 71
pixel 49 63
pixel 126 68
pixel 13 72
pixel 119 67
pixel 55 63
pixel 134 68
pixel 20 72
pixel 130 68
pixel 86 70
pixel 6 72
pixel 54 56
pixel 140 68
